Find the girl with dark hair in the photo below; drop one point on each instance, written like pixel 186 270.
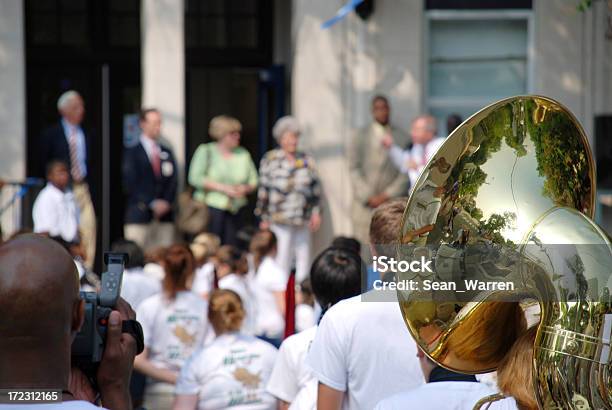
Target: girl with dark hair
pixel 269 285
pixel 335 275
pixel 174 324
pixel 233 370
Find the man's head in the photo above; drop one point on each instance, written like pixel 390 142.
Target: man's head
pixel 71 106
pixel 381 110
pixel 385 225
pixel 58 175
pixel 423 129
pixel 40 306
pixel 150 122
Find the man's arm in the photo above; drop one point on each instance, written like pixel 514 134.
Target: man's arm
pixel 328 398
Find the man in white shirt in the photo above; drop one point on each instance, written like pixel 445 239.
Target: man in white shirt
pixel 42 313
pixel 412 161
pixel 445 389
pixel 363 351
pixel 55 211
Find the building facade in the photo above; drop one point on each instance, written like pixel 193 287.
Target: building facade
pixel 258 59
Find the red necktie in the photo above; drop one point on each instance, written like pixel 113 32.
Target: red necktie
pixel 155 162
pixel 75 168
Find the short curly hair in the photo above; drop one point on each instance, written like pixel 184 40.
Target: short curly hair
pixel 285 124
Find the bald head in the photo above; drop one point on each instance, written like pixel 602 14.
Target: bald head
pixel 38 290
pixel 423 129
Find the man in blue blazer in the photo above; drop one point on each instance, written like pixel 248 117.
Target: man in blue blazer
pixel 150 183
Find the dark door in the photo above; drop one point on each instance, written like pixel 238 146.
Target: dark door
pixel 229 48
pixel 92 47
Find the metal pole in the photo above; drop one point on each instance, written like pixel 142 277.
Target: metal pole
pixel 105 158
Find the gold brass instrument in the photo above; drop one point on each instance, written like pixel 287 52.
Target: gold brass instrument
pixel 509 198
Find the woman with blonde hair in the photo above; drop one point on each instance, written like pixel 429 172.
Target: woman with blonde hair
pixel 222 174
pixel 515 377
pixel 233 370
pixel 174 325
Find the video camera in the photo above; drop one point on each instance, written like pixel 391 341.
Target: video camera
pixel 88 346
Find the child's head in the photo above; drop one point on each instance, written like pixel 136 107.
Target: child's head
pixel 386 223
pixel 348 243
pixel 204 246
pixel 230 259
pixel 134 252
pixel 262 244
pixel 336 275
pixel 58 175
pixel 155 255
pixel 178 264
pixel 225 311
pixel 304 293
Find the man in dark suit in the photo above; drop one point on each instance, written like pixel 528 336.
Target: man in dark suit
pixel 68 142
pixel 150 182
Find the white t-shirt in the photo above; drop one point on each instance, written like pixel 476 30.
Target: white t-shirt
pixel 241 286
pixel 56 212
pixel 203 279
pixel 438 395
pixel 231 372
pixel 507 403
pixel 174 330
pixel 365 350
pixel 137 286
pixel 291 375
pixel 269 278
pixel 304 317
pixel 66 405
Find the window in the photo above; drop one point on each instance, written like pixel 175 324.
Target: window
pixel 476 58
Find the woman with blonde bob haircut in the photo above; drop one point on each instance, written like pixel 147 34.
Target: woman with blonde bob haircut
pixel 222 174
pixel 231 371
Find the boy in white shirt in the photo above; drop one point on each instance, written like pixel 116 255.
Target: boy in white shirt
pixel 335 275
pixel 55 211
pixel 363 352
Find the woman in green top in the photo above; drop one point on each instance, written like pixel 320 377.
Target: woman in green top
pixel 223 174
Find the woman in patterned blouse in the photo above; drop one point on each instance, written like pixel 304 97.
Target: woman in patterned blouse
pixel 288 197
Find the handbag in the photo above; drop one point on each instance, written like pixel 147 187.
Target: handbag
pixel 193 215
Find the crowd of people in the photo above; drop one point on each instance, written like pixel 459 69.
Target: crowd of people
pixel 218 308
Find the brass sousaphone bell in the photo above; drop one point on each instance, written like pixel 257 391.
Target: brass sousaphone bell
pixel 507 202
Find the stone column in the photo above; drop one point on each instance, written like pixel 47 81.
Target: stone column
pixel 12 105
pixel 163 69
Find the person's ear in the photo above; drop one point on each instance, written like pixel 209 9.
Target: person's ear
pixel 372 249
pixel 78 316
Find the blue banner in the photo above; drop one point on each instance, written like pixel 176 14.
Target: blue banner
pixel 342 13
